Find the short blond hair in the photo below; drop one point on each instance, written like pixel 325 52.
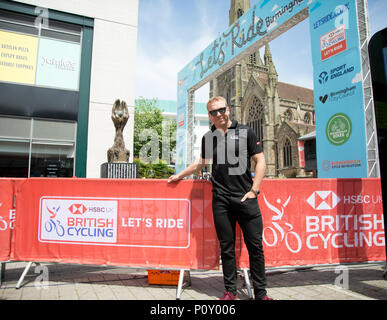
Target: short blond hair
pixel 216 99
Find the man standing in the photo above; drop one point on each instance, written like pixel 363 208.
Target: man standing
pixel 230 146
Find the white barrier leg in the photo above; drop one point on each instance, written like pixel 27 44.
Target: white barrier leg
pixel 180 284
pixel 247 281
pixel 26 269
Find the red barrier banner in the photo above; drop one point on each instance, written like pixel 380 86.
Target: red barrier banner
pixel 141 223
pixel 149 223
pixel 320 221
pixel 7 218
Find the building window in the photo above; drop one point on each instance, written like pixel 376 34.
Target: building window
pixel 48 56
pixel 307 118
pixel 40 93
pixel 287 153
pixel 256 118
pixel 36 148
pixel 288 115
pixel 253 58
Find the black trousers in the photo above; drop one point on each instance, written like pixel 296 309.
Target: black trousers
pixel 227 211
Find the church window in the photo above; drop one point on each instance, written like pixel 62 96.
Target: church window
pixel 256 118
pixel 287 153
pixel 253 58
pixel 307 118
pixel 228 97
pixel 239 13
pixel 288 115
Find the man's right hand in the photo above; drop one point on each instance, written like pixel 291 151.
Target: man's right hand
pixel 173 178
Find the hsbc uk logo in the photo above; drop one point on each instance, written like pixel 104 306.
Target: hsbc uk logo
pixel 77 209
pixel 323 200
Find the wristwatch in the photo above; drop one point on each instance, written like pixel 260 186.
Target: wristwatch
pixel 256 192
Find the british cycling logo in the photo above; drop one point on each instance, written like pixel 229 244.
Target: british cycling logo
pixel 80 221
pixel 281 232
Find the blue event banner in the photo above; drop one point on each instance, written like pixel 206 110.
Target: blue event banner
pixel 263 18
pixel 338 90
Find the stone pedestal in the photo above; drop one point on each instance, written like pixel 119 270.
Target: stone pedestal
pixel 116 170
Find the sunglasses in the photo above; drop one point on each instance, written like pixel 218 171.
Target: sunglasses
pixel 215 112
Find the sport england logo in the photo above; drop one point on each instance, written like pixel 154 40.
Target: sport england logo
pixel 323 200
pixel 336 72
pixel 323 77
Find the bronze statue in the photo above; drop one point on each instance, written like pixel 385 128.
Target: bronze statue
pixel 120 116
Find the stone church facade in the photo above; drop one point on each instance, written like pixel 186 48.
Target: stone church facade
pixel 278 112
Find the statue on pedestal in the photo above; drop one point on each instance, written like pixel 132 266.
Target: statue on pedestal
pixel 120 115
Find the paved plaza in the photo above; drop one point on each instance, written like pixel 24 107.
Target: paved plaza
pixel 54 281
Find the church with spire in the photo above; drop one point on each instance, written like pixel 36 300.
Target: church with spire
pixel 279 113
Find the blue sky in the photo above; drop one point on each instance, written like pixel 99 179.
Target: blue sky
pixel 173 32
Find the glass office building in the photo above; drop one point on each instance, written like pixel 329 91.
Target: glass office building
pixel 54 117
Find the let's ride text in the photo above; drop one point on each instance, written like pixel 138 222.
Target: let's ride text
pixel 167 223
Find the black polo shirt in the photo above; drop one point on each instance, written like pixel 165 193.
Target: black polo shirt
pixel 230 153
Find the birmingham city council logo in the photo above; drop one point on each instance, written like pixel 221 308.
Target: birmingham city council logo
pixel 338 129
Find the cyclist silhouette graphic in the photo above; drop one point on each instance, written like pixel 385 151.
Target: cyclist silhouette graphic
pixel 292 239
pixel 51 224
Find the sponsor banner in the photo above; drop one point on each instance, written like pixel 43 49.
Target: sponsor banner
pixel 7 218
pixel 59 64
pixel 332 23
pixel 77 220
pixel 338 90
pixel 37 61
pixel 8 189
pixel 119 222
pixel 320 221
pixel 18 57
pixel 333 42
pixel 305 221
pixel 144 223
